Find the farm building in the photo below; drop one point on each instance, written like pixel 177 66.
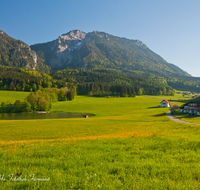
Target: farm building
pixel 196 96
pixel 165 103
pixel 192 107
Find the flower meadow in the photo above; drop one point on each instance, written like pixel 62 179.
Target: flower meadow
pixel 128 144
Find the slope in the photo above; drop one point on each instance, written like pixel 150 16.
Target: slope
pixel 99 50
pixel 15 53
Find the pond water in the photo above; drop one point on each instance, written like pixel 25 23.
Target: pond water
pixel 51 115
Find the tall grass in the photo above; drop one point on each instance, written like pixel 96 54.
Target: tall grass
pixel 129 144
pixel 131 163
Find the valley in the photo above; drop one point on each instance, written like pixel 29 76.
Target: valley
pixel 129 144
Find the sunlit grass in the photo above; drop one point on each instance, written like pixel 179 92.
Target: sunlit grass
pixel 188 118
pixel 12 96
pixel 129 144
pixel 132 163
pixel 113 116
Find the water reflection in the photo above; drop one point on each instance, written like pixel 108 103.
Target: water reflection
pixel 52 115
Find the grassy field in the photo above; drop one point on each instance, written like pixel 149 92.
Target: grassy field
pixel 129 144
pixel 12 96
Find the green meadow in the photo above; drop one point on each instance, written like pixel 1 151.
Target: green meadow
pixel 187 117
pixel 12 96
pixel 128 144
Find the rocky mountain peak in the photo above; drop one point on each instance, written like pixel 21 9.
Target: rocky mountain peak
pixel 70 41
pixel 102 50
pixel 101 34
pixel 73 35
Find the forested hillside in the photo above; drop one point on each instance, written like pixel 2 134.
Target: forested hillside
pixel 188 83
pixel 15 53
pixel 97 64
pixel 99 81
pixel 26 80
pixel 87 82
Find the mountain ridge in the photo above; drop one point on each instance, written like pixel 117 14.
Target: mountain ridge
pixel 77 49
pixel 16 53
pixel 92 50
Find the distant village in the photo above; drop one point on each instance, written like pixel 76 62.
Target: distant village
pixel 195 94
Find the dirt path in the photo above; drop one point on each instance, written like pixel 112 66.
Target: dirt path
pixel 168 114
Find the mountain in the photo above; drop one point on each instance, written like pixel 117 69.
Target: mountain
pixel 15 53
pixel 99 50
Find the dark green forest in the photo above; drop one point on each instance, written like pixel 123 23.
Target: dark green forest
pixel 107 82
pixel 86 82
pixel 187 83
pixel 94 82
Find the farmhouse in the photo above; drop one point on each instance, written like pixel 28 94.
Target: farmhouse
pixel 165 103
pixel 192 107
pixel 196 96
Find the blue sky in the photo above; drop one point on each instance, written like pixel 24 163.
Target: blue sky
pixel 169 28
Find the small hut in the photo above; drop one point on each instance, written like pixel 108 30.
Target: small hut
pixel 165 103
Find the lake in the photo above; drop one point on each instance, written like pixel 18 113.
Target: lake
pixel 51 115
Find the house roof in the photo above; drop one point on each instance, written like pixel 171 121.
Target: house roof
pixel 166 101
pixel 197 102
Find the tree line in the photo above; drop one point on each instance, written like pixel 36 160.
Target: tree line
pixel 40 100
pixel 87 82
pixel 102 81
pixel 105 90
